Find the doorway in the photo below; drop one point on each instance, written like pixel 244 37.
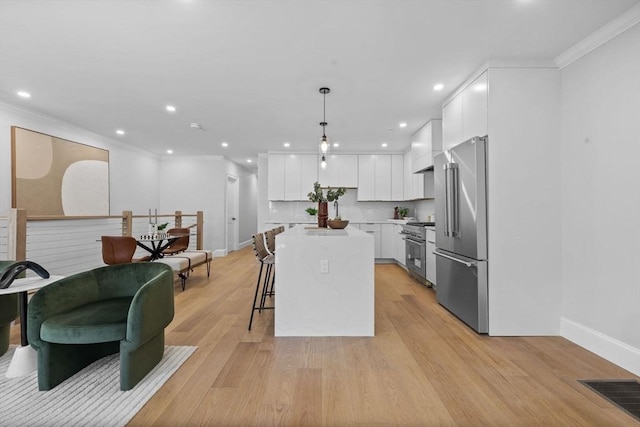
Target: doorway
pixel 232 213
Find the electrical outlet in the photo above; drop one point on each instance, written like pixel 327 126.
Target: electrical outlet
pixel 324 266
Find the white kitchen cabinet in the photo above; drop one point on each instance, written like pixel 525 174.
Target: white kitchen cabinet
pixel 366 174
pixel 377 177
pixel 452 123
pixel 397 177
pixel 374 230
pixel 387 241
pixel 431 258
pixel 466 115
pixel 408 176
pixel 275 186
pixel 382 177
pixel 425 143
pixel 474 108
pixel 341 171
pixel 521 116
pixel 309 166
pixel 414 188
pixel 399 250
pixel 291 176
pixel 292 170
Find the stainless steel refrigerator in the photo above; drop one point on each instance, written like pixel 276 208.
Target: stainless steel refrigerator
pixel 461 232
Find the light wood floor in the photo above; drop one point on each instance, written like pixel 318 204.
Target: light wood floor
pixel 422 368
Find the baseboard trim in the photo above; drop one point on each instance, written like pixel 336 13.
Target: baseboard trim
pixel 245 244
pixel 615 351
pixel 219 253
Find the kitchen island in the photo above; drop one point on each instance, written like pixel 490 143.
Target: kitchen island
pixel 324 282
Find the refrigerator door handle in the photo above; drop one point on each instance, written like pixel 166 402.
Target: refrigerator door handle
pixel 451 199
pixel 468 264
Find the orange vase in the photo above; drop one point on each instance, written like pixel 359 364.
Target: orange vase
pixel 323 214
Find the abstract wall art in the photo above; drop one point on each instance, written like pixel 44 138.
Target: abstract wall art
pixel 54 176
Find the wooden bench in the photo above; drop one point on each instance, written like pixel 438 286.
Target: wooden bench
pixel 184 262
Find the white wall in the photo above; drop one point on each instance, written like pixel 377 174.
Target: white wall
pixel 248 215
pixel 133 174
pixel 601 200
pixel 248 200
pixel 192 184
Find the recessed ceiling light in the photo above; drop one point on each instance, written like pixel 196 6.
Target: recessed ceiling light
pixel 249 160
pixel 170 108
pixel 120 132
pixel 439 86
pixel 336 144
pixel 225 144
pixel 403 125
pixel 384 144
pixel 23 94
pixel 169 151
pixel 480 87
pixel 286 144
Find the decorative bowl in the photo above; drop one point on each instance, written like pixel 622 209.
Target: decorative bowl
pixel 337 223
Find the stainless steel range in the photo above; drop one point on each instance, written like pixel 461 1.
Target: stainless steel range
pixel 415 237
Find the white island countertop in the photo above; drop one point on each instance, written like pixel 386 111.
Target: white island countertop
pixel 324 282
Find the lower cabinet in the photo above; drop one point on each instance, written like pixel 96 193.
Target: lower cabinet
pixel 387 242
pixel 399 245
pixel 373 229
pixel 431 257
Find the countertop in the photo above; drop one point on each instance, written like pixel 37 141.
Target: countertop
pixel 302 231
pixel 363 221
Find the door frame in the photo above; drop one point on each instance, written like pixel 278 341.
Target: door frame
pixel 235 185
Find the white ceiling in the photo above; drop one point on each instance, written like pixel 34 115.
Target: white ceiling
pixel 249 71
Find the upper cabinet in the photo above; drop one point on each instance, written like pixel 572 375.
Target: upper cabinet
pixel 425 143
pixel 341 171
pixel 474 108
pixel 413 182
pixel 276 176
pixel 380 177
pixel 291 176
pixel 465 116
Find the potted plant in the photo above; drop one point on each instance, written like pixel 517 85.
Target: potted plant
pixel 317 195
pixel 403 212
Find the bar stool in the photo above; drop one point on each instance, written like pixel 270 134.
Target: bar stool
pixel 266 259
pixel 270 243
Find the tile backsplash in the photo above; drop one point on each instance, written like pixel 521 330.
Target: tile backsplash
pixel 349 208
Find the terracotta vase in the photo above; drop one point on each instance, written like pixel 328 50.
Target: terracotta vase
pixel 323 214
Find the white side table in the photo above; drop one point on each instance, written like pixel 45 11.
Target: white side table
pixel 24 359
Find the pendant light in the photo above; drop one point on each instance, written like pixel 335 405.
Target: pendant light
pixel 324 143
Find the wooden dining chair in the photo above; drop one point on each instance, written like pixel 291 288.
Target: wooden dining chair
pixel 181 244
pixel 120 250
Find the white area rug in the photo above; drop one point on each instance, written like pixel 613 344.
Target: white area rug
pixel 92 397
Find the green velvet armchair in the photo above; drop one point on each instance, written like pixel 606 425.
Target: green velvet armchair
pixel 82 318
pixel 8 312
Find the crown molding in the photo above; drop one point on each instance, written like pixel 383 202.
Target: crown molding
pixel 64 126
pixel 605 33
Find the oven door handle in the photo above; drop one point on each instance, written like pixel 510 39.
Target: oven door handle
pixel 416 242
pixel 468 264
